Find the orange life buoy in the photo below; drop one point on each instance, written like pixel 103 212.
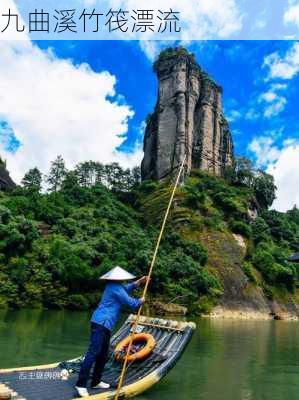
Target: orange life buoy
pixel 148 339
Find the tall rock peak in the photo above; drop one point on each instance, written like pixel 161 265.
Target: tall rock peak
pixel 188 119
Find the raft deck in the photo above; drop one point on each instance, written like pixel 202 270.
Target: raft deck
pixel 46 382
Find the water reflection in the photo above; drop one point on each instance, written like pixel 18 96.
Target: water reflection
pixel 227 360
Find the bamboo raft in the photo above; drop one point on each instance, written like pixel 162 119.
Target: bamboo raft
pixel 57 381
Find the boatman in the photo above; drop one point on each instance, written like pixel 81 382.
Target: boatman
pixel 116 296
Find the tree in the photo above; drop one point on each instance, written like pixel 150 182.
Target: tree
pixel 136 175
pixel 114 176
pixel 100 173
pixel 57 174
pixel 293 214
pixel 69 182
pixel 33 180
pixel 279 225
pixel 264 187
pixel 260 230
pixel 87 173
pixel 244 171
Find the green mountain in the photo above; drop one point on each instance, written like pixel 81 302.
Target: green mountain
pixel 222 246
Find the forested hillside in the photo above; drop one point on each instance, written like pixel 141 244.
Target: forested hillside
pixel 55 244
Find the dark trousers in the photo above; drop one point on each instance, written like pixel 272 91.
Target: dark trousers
pixel 96 354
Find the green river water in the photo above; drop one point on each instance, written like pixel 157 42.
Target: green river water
pixel 226 360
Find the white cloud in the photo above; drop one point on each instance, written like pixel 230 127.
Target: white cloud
pixel 292 15
pixel 55 107
pixel 279 86
pixel 264 150
pixel 201 18
pixel 252 114
pixel 217 17
pixel 275 108
pixel 261 20
pixel 286 175
pixel 279 67
pixel 152 48
pixel 274 102
pixel 285 67
pixel 268 96
pixel 283 164
pixel 233 115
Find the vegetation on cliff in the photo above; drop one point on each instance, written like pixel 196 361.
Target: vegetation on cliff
pixel 55 245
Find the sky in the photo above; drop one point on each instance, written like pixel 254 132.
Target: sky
pixel 89 100
pixel 198 19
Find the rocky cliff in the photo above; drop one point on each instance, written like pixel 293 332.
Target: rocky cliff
pixel 6 183
pixel 188 119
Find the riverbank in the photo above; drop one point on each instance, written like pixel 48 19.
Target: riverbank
pixel 220 312
pixel 271 310
pixel 247 314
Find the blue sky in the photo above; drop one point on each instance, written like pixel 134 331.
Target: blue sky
pixel 236 65
pixel 89 100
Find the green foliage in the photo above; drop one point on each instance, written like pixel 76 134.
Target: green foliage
pixel 281 226
pixel 57 174
pixel 111 175
pixel 269 259
pixel 249 272
pixel 260 230
pixel 5 215
pixel 78 302
pixel 203 305
pixel 213 195
pixel 293 215
pixel 33 180
pixel 173 52
pixel 264 189
pixel 241 227
pixel 16 233
pixel 243 173
pixel 55 245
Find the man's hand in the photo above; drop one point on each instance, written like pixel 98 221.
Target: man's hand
pixel 142 299
pixel 141 281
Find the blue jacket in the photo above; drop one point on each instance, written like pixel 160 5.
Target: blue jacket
pixel 115 297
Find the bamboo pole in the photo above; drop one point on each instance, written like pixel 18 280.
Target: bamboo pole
pixel 145 290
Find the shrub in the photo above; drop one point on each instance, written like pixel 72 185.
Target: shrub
pixel 248 270
pixel 5 215
pixel 241 227
pixel 260 230
pixel 265 259
pixel 3 302
pixel 78 302
pixel 85 228
pixel 265 262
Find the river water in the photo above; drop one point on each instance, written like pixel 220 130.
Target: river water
pixel 226 360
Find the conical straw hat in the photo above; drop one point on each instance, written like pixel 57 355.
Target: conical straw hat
pixel 117 274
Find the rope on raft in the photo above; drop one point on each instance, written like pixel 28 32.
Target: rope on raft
pixel 145 290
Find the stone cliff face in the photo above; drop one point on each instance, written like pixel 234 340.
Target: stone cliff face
pixel 241 298
pixel 6 183
pixel 188 119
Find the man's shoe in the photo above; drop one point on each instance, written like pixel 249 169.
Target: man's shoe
pixel 82 391
pixel 101 385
